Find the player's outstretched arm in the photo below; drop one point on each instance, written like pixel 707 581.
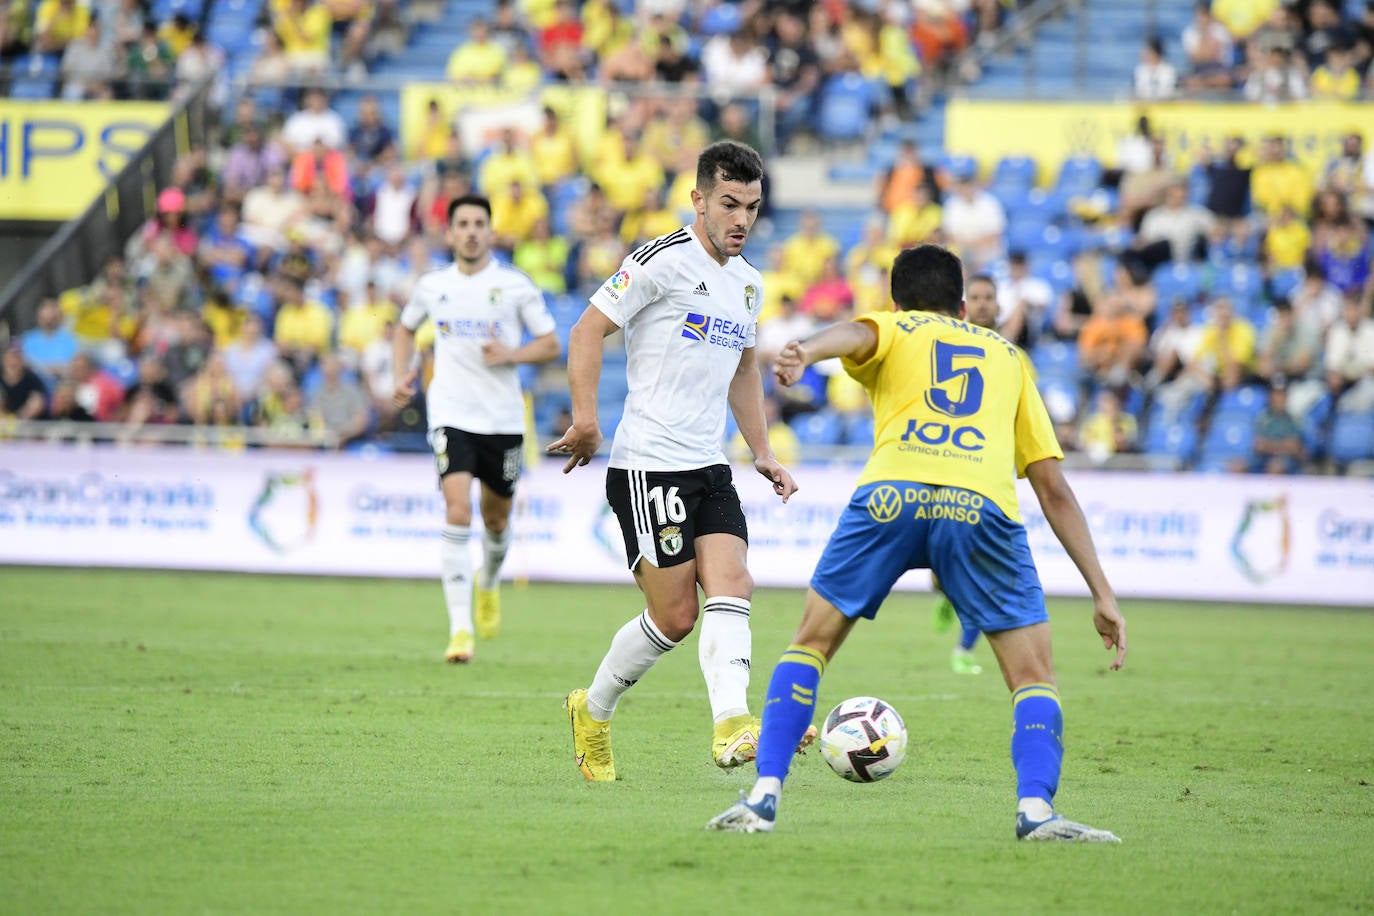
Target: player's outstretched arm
pixel 855 340
pixel 746 402
pixel 583 438
pixel 1066 519
pixel 541 349
pixel 404 373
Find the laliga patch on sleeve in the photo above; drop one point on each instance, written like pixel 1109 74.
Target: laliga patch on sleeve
pixel 616 286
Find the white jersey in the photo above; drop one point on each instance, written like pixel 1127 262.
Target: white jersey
pixel 468 311
pixel 687 322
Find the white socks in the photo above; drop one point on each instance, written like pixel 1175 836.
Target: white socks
pixel 1035 809
pixel 494 547
pixel 724 651
pixel 455 563
pixel 766 785
pixel 634 649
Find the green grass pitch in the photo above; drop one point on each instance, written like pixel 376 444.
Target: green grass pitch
pixel 184 743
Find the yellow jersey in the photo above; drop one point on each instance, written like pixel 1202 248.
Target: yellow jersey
pixel 954 405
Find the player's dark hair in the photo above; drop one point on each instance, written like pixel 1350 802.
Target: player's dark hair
pixel 928 278
pixel 726 160
pixel 981 278
pixel 469 200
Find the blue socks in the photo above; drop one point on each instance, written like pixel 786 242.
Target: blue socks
pixel 968 636
pixel 788 709
pixel 1037 741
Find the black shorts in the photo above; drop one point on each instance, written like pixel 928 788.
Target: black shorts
pixel 662 513
pixel 495 459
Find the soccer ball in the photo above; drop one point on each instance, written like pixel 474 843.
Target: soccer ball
pixel 863 739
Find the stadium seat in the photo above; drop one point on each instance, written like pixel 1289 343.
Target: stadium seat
pixel 1177 280
pixel 1352 437
pixel 959 166
pixel 845 102
pixel 1229 439
pixel 1079 175
pixel 1247 400
pixel 860 430
pixel 1055 357
pixel 1285 282
pixel 823 427
pixel 33 89
pixel 1241 283
pixel 721 19
pixel 1176 440
pixel 1015 171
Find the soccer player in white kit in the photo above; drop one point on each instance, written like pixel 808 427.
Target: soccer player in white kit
pixel 480 308
pixel 688 304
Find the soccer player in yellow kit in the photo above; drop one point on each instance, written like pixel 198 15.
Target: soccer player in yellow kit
pixel 957 419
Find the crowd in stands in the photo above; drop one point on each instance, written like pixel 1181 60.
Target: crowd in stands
pixel 1211 314
pixel 1266 51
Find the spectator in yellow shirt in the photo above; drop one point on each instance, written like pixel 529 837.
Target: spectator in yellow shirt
pixel 806 252
pixel 522 72
pixel 1278 181
pixel 302 329
pixel 649 220
pixel 677 136
pixel 514 213
pixel 304 29
pixel 784 443
pixel 1108 430
pixel 628 181
pixel 510 162
pixel 1227 340
pixel 1287 241
pixel 554 151
pixel 58 23
pixel 177 34
pixel 544 256
pixel 431 142
pixel 1242 17
pixel 365 320
pixel 477 60
pixel 1337 78
pixel 916 220
pixel 778 282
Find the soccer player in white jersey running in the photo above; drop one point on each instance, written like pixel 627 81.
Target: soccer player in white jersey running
pixel 688 303
pixel 480 309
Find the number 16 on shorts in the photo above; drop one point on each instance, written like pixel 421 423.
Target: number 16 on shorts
pixel 662 513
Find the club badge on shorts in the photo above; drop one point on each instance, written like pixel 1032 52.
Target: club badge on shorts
pixel 670 541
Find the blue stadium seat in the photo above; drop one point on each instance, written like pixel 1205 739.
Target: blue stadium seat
pixel 1241 283
pixel 1247 400
pixel 844 107
pixel 1177 280
pixel 1285 282
pixel 1079 175
pixel 1176 440
pixel 860 430
pixel 823 427
pixel 1229 440
pixel 1055 357
pixel 959 166
pixel 721 19
pixel 1015 171
pixel 1352 437
pixel 33 89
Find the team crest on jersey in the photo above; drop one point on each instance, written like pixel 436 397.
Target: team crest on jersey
pixel 695 327
pixel 494 296
pixel 670 541
pixel 751 299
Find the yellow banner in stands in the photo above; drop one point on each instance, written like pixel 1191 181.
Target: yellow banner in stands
pixel 56 157
pixel 1050 132
pixel 486 110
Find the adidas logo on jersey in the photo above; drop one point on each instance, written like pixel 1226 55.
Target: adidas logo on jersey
pixel 701 289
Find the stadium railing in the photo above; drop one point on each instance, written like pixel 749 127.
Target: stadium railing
pixel 78 249
pixel 220 437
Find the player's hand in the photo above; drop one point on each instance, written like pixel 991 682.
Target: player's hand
pixel 779 476
pixel 405 389
pixel 581 442
pixel 790 364
pixel 495 353
pixel 1111 626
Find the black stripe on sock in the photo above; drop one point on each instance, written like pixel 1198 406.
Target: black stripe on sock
pixel 653 637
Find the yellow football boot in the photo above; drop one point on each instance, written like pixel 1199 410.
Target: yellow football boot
pixel 460 648
pixel 591 740
pixel 486 611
